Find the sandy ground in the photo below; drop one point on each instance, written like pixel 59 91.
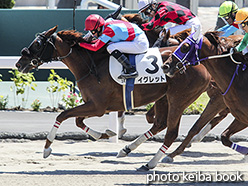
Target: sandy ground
pixel 95 163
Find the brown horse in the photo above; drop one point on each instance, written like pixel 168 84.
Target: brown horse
pixel 227 72
pixel 100 92
pixel 216 106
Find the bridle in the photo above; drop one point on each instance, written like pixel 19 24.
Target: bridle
pixel 43 51
pixel 191 57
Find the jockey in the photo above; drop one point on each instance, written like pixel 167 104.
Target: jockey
pixel 242 20
pixel 227 11
pixel 165 12
pixel 124 37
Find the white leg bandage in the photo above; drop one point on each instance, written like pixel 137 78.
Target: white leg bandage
pixel 139 140
pixel 53 131
pixel 121 122
pixel 202 133
pixel 154 161
pixel 96 135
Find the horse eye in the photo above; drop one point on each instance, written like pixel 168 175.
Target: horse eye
pixel 25 52
pixel 38 43
pixel 185 48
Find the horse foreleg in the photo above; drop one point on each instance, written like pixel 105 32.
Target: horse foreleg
pixel 171 135
pixel 141 139
pixel 50 137
pixel 85 110
pixel 235 127
pixel 161 108
pixel 201 126
pixel 213 123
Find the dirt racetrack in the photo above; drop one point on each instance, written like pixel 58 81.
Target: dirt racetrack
pixel 95 163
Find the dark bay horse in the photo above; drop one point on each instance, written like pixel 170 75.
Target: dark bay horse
pixel 229 76
pixel 100 92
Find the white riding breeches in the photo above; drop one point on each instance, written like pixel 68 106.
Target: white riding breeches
pixel 245 51
pixel 140 44
pixel 189 24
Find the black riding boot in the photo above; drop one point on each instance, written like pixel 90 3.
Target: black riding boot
pixel 129 71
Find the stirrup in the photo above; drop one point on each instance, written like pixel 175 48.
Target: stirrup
pixel 129 75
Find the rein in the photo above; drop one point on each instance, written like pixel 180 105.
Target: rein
pixel 222 56
pixel 233 60
pixel 43 55
pixel 195 60
pixel 58 58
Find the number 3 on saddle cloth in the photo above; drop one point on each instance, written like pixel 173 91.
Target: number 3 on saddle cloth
pixel 148 66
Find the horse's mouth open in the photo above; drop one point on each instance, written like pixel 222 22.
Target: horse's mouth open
pixel 24 69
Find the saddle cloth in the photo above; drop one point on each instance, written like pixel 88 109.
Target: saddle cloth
pixel 148 66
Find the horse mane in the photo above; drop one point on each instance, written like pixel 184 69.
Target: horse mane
pixel 213 37
pixel 71 36
pixel 224 43
pixel 181 36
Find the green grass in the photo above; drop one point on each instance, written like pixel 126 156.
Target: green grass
pixel 198 106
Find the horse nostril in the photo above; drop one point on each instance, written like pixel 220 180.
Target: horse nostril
pixel 166 68
pixel 18 65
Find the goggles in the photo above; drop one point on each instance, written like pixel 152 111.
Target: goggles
pixel 244 23
pixel 227 17
pixel 149 10
pixel 93 32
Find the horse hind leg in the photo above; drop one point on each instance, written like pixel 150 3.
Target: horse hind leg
pixel 235 127
pixel 121 119
pixel 94 134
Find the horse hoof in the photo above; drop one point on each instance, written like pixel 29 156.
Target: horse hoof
pixel 122 132
pixel 245 159
pixel 167 159
pixel 110 133
pixel 47 152
pixel 143 168
pixel 121 154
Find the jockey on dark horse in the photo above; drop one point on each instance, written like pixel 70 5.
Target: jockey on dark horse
pixel 165 12
pixel 124 37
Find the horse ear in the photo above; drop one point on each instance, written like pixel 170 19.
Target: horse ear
pixel 167 34
pixel 51 31
pixel 197 33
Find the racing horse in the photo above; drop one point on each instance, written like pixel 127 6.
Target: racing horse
pixel 212 115
pixel 230 76
pixel 101 94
